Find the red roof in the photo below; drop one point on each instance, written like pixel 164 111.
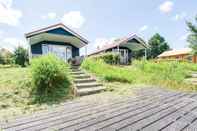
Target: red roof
pixel 175 52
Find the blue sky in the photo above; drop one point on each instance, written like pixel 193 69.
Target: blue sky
pixel 98 20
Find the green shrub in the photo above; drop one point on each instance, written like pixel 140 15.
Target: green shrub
pixel 170 74
pixel 109 58
pixel 21 56
pixel 50 78
pixel 6 57
pixel 107 72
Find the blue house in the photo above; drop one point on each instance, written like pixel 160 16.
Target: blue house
pixel 124 47
pixel 57 39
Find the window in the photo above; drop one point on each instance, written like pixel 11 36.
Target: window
pixel 45 49
pixel 63 52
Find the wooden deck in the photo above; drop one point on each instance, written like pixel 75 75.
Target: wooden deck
pixel 152 110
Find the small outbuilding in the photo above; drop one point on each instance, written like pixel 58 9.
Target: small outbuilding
pixel 180 55
pixel 57 39
pixel 124 46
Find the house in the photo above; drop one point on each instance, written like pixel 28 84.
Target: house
pixel 124 46
pixel 57 39
pixel 181 55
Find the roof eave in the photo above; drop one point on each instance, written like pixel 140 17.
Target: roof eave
pixel 30 34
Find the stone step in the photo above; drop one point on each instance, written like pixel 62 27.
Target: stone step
pixel 194 75
pixel 75 70
pixel 82 76
pixel 191 81
pixel 84 80
pixel 88 85
pixel 75 67
pixel 89 91
pixel 77 73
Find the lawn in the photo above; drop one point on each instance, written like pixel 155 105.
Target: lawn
pixel 163 74
pixel 16 93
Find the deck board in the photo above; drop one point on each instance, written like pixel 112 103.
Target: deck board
pixel 152 109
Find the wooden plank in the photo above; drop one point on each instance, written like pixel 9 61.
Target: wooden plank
pixel 163 120
pixel 39 114
pixel 133 123
pixel 79 115
pixel 184 121
pixel 21 126
pixel 112 118
pixel 162 123
pixel 78 122
pixel 30 119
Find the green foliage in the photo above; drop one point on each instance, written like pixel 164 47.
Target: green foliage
pixel 109 58
pixel 21 56
pixel 170 74
pixel 107 72
pixel 192 38
pixel 157 45
pixel 50 78
pixel 138 54
pixel 6 57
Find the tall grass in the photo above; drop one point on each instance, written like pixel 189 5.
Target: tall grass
pixel 170 74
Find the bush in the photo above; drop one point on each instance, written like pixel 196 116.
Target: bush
pixel 107 72
pixel 50 78
pixel 109 58
pixel 6 57
pixel 21 56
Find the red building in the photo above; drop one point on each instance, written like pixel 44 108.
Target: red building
pixel 182 55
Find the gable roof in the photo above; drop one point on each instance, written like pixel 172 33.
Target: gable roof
pixel 56 26
pixel 175 52
pixel 119 42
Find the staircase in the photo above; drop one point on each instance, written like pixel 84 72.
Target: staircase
pixel 84 84
pixel 192 79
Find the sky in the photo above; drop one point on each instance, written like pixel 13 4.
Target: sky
pixel 99 21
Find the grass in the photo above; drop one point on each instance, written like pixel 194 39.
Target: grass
pixel 16 94
pixel 164 74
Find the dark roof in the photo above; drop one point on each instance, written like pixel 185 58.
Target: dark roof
pixel 55 26
pixel 119 42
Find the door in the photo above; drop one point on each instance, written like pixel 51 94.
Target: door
pixel 123 56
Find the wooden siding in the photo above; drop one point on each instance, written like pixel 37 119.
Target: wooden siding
pixel 181 57
pixel 60 31
pixel 36 49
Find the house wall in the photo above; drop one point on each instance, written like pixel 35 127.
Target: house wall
pixel 36 49
pixel 182 57
pixel 129 52
pixel 60 31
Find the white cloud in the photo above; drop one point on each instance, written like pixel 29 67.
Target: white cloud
pixel 166 6
pixel 12 43
pixel 1 33
pixel 73 19
pixel 143 28
pixel 51 15
pixel 9 15
pixel 184 37
pixel 101 42
pixel 180 16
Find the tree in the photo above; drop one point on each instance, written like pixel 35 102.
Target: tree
pixel 5 56
pixel 192 38
pixel 20 56
pixel 157 46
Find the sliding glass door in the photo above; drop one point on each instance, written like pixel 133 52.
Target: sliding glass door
pixel 61 51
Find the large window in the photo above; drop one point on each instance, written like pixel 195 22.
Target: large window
pixel 63 52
